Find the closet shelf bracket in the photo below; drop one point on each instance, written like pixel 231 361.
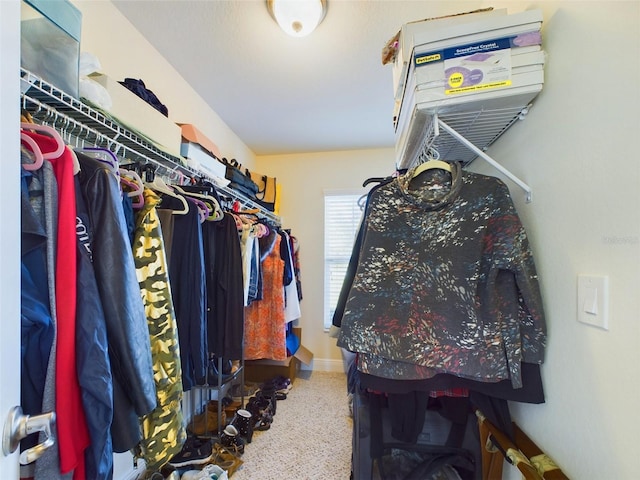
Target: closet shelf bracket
pixel 438 123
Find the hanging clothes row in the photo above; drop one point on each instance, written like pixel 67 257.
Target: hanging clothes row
pixel 130 285
pixel 260 257
pixel 82 126
pixel 100 371
pixel 135 283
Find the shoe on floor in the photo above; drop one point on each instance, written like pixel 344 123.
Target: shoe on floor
pixel 207 421
pixel 208 472
pixel 282 384
pixel 194 452
pixel 248 390
pixel 232 441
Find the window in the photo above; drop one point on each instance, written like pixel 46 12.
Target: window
pixel 342 216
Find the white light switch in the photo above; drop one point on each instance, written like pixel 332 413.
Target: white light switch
pixel 593 300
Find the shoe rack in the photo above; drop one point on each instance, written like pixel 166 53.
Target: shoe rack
pixel 201 395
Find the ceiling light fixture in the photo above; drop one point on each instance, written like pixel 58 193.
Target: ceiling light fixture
pixel 297 18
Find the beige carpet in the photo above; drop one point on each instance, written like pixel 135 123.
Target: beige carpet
pixel 310 437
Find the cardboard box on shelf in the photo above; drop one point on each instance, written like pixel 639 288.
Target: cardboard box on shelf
pixel 140 117
pixel 190 134
pixel 261 370
pixel 201 153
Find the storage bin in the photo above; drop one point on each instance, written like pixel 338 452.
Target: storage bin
pixel 428 46
pixel 438 28
pixel 50 42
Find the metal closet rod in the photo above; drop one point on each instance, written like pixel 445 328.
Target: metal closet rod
pixel 71 128
pixel 439 123
pixel 67 126
pixel 35 87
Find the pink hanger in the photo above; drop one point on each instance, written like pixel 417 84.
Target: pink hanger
pixel 133 180
pixel 33 146
pixel 136 193
pixel 60 145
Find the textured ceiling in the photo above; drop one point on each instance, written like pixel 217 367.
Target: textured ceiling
pixel 279 94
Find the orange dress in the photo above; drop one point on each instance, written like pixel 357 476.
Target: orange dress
pixel 264 321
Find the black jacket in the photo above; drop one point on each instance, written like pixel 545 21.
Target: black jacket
pixel 127 331
pixel 94 368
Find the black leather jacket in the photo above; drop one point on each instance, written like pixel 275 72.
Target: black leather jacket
pixel 127 331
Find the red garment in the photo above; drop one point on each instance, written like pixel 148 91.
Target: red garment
pixel 73 434
pixel 450 392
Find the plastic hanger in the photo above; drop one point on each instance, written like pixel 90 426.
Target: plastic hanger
pixel 247 218
pixel 430 165
pixel 37 153
pixel 263 230
pixel 377 180
pixel 51 132
pixel 238 220
pixel 133 176
pixel 215 212
pixel 133 180
pixel 139 202
pixel 203 209
pixel 105 156
pixel 159 186
pixel 429 159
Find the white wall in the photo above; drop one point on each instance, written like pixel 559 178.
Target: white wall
pixel 124 52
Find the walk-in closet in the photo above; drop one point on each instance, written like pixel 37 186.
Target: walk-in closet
pixel 357 239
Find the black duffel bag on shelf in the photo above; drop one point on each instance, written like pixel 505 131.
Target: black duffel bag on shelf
pixel 238 180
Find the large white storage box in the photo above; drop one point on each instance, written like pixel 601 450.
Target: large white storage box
pixel 494 63
pixel 456 25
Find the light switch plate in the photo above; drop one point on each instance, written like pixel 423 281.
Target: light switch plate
pixel 593 300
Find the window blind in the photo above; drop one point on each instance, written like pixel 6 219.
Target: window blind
pixel 342 217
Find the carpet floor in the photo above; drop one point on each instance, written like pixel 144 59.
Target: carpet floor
pixel 310 437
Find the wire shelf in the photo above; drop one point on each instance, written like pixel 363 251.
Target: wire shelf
pixel 482 128
pixel 73 118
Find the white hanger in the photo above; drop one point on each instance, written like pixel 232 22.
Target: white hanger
pixel 159 186
pixel 217 213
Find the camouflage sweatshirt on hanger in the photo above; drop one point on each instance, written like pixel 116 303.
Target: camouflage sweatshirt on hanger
pixel 445 281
